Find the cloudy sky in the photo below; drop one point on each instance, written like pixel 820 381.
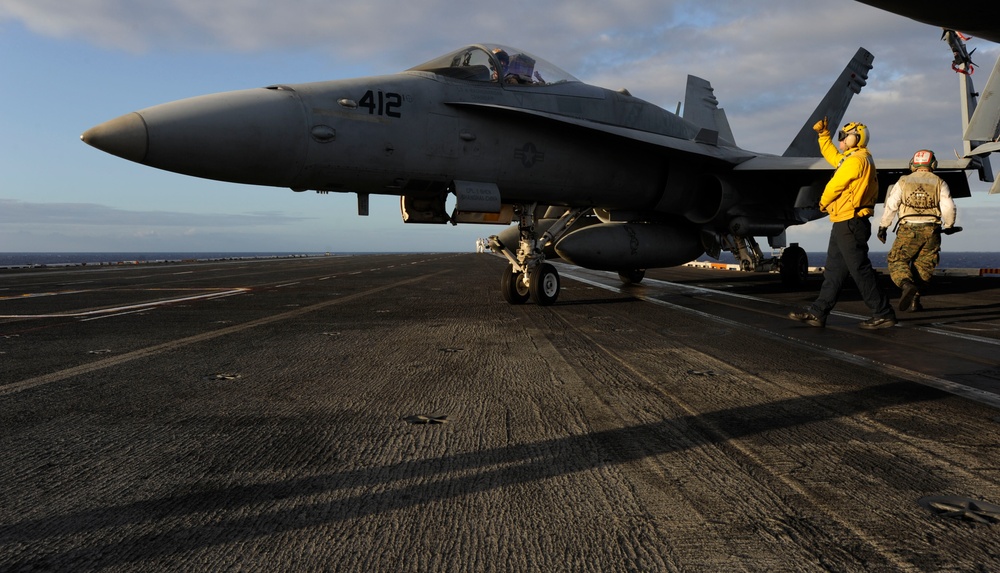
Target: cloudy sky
pixel 67 66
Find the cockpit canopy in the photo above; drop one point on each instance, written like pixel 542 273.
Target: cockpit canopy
pixel 496 63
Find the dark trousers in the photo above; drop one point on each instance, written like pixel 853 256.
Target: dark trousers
pixel 846 256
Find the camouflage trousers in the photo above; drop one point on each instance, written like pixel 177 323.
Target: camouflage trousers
pixel 915 253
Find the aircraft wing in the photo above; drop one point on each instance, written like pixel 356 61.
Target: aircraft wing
pixel 889 170
pixel 744 162
pixel 705 144
pixel 776 163
pixel 969 16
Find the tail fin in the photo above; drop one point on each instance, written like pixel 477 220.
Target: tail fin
pixel 982 129
pixel 984 123
pixel 981 123
pixel 834 104
pixel 702 109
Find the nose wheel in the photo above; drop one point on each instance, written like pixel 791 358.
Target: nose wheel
pixel 512 286
pixel 528 275
pixel 542 285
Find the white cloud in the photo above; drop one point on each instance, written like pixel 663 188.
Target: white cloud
pixel 770 63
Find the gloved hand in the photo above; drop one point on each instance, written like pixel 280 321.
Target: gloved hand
pixel 820 126
pixel 951 230
pixel 882 234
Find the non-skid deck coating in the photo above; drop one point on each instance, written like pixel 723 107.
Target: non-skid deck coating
pixel 392 413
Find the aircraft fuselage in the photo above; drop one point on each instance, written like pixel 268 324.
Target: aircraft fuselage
pixel 400 134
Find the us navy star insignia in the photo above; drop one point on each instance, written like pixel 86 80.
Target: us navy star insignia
pixel 529 155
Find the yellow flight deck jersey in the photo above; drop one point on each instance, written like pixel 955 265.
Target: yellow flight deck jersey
pixel 853 189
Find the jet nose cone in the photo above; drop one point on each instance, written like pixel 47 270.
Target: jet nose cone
pixel 124 136
pixel 256 136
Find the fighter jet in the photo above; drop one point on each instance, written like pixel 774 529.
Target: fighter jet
pixel 600 178
pixel 974 17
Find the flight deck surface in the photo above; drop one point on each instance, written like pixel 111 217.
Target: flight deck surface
pixel 391 412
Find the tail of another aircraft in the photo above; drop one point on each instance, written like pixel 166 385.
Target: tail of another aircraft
pixel 982 123
pixel 833 105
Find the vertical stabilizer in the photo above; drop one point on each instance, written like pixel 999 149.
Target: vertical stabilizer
pixel 833 105
pixel 981 123
pixel 702 109
pixel 984 124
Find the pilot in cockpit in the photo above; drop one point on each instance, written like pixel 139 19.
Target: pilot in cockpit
pixel 518 69
pixel 504 59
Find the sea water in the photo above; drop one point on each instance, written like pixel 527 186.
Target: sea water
pixel 99 259
pixel 949 260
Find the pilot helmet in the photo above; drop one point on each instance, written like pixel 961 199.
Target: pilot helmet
pixel 502 57
pixel 855 128
pixel 923 158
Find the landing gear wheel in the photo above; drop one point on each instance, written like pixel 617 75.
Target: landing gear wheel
pixel 632 276
pixel 512 287
pixel 794 267
pixel 544 284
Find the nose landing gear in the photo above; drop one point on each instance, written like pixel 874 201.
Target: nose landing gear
pixel 528 275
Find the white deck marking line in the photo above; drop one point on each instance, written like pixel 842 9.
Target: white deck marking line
pixel 930 329
pixel 113 315
pixel 182 342
pixel 961 335
pixel 142 305
pixel 975 394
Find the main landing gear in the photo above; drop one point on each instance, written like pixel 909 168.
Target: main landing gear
pixel 528 275
pixel 632 276
pixel 792 265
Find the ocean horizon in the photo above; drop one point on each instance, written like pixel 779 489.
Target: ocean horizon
pixel 951 260
pixel 43 259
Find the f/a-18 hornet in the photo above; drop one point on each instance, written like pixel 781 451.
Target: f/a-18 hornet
pixel 600 178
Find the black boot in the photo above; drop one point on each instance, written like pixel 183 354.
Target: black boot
pixel 909 291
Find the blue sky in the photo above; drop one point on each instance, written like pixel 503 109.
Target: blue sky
pixel 69 66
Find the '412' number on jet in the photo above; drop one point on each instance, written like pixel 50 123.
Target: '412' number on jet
pixel 386 104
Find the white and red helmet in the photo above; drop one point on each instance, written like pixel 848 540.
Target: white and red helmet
pixel 923 158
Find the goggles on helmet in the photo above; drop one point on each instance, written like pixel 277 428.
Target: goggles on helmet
pixel 854 128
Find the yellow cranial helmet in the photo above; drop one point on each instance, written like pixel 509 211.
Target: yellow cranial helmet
pixel 855 128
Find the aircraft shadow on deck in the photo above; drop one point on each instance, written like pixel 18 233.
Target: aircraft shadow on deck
pixel 538 461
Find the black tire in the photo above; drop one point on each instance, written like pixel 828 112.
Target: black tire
pixel 512 287
pixel 544 284
pixel 632 276
pixel 794 267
